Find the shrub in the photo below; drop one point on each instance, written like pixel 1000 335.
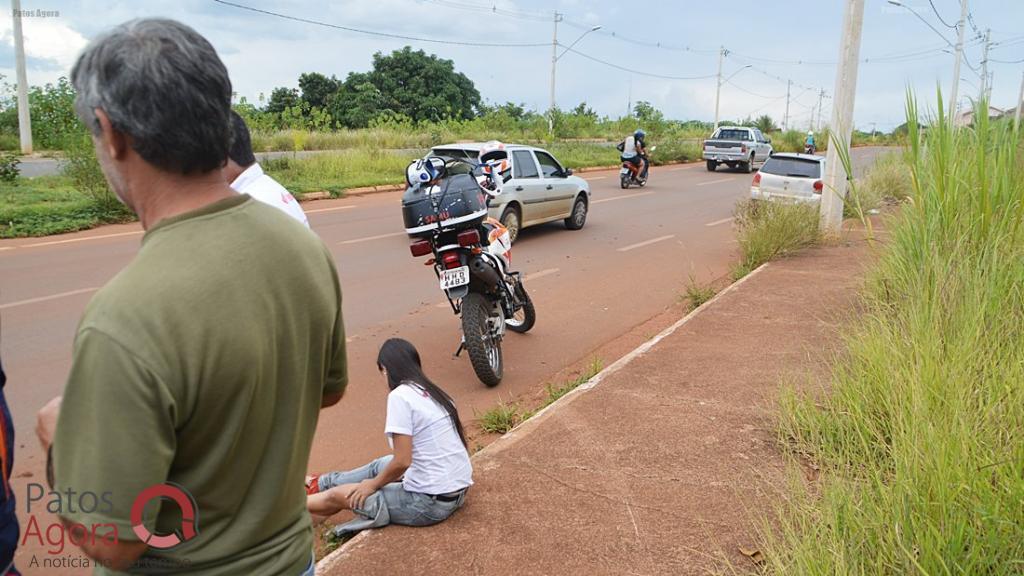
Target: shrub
pixel 9 167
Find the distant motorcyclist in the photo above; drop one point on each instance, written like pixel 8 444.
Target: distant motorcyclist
pixel 634 152
pixel 809 146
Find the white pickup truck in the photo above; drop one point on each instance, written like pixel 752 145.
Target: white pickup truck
pixel 737 146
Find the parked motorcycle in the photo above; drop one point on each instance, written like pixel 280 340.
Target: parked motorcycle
pixel 629 175
pixel 446 214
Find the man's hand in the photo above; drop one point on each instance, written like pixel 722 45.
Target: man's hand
pixel 357 497
pixel 46 422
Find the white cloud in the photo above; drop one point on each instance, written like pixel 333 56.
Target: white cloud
pixel 49 39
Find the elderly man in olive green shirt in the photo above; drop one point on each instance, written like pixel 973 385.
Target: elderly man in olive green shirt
pixel 200 369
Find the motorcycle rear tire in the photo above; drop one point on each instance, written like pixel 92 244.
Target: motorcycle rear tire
pixel 484 351
pixel 529 312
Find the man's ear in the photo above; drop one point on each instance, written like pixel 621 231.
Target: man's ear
pixel 115 141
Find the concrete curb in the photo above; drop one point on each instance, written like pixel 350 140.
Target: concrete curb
pixel 367 190
pixel 513 436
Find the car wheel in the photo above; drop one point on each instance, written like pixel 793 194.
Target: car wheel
pixel 712 165
pixel 748 166
pixel 510 219
pixel 578 218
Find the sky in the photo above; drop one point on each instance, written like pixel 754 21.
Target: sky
pixel 669 49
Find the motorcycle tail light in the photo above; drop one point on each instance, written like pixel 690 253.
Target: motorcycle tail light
pixel 757 180
pixel 420 248
pixel 451 260
pixel 469 237
pixel 818 186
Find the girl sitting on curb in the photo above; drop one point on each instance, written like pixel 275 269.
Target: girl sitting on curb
pixel 425 479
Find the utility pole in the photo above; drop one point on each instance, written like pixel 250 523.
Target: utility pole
pixel 956 62
pixel 554 61
pixel 785 119
pixel 836 179
pixel 983 94
pixel 718 91
pixel 24 114
pixel 1020 103
pixel 629 98
pixel 821 95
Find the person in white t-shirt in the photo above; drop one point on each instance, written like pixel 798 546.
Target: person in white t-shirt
pixel 426 477
pixel 246 176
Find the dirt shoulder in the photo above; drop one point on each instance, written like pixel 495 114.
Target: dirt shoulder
pixel 664 466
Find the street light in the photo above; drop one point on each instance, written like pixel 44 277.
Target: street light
pixel 718 90
pixel 555 57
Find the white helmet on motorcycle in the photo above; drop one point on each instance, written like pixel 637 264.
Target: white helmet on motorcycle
pixel 493 158
pixel 424 171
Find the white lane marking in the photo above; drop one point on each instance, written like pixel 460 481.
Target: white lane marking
pixel 623 197
pixel 2 248
pixel 538 275
pixel 370 238
pixel 718 222
pixel 46 298
pixel 69 241
pixel 597 178
pixel 330 209
pixel 647 243
pixel 719 181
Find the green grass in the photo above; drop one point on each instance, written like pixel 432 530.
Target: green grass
pixel 503 417
pixel 918 436
pixel 336 171
pixel 52 205
pixel 697 294
pixel 769 230
pixel 556 392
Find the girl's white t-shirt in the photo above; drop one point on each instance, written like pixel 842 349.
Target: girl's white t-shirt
pixel 440 463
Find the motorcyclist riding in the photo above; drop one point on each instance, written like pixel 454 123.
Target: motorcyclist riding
pixel 634 152
pixel 809 146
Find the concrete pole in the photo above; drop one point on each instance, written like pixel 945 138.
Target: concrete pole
pixel 842 117
pixel 821 95
pixel 785 119
pixel 554 62
pixel 956 62
pixel 718 91
pixel 983 93
pixel 1020 103
pixel 24 114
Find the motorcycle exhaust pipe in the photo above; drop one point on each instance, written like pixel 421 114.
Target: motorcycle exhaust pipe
pixel 485 272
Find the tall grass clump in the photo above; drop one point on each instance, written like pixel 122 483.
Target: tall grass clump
pixel 919 437
pixel 769 230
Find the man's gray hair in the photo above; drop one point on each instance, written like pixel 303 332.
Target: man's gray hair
pixel 161 83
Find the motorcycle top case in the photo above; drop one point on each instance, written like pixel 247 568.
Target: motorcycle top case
pixel 456 203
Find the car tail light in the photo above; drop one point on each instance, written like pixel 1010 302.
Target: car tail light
pixel 819 186
pixel 451 260
pixel 743 149
pixel 469 237
pixel 420 248
pixel 757 180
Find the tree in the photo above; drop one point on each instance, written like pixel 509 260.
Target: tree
pixel 584 110
pixel 317 89
pixel 423 87
pixel 645 112
pixel 357 102
pixel 282 98
pixel 765 124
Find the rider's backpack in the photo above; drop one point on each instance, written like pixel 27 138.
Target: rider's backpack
pixel 621 146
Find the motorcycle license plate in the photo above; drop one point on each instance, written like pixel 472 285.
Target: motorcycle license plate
pixel 454 278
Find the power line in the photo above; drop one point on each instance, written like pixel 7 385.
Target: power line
pixel 939 16
pixel 647 44
pixel 382 34
pixel 742 89
pixel 631 70
pixel 1006 61
pixel 491 9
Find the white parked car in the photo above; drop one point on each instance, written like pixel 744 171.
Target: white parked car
pixel 540 189
pixel 790 177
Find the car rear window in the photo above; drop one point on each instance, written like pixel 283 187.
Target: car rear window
pixel 733 135
pixel 797 167
pixel 453 153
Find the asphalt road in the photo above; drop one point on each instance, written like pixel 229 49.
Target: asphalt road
pixel 629 264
